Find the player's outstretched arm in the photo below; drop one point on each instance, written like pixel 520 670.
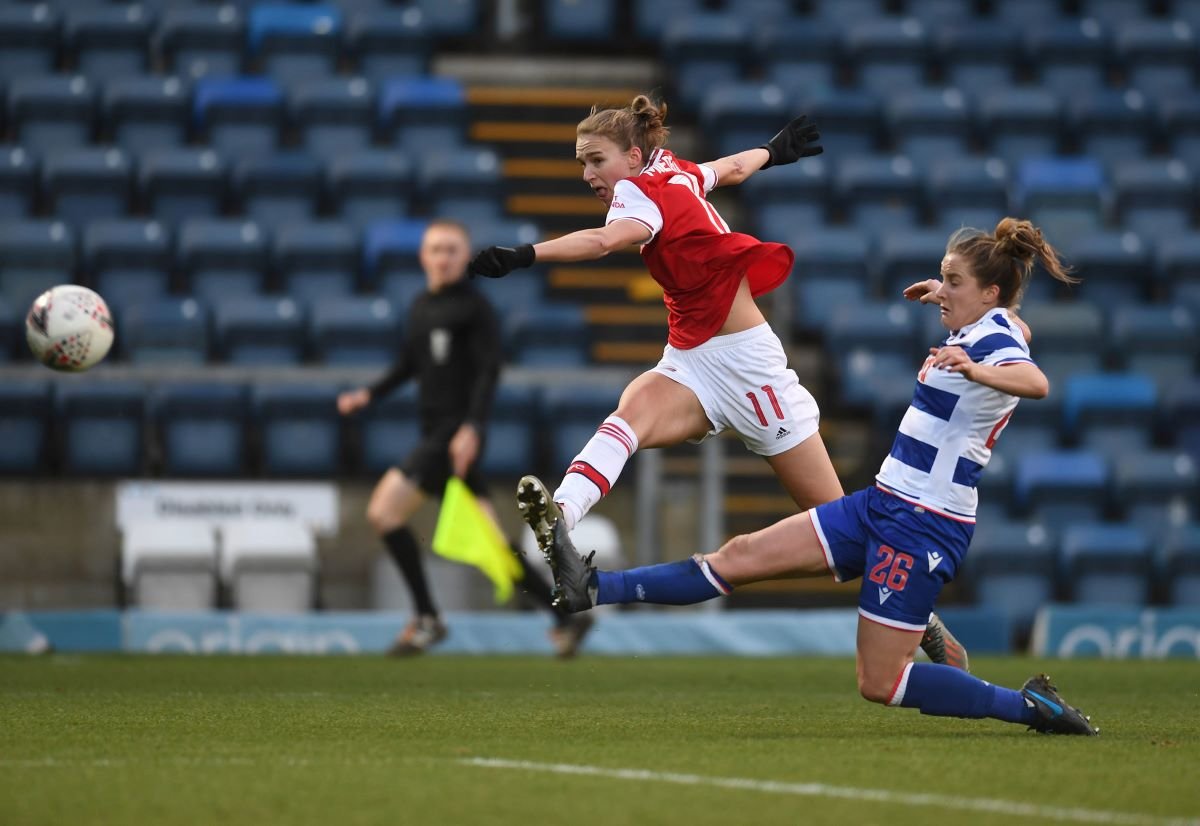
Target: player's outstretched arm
pixel 1020 379
pixel 584 245
pixel 799 139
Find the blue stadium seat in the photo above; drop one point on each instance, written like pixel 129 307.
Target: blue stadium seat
pixel 315 261
pixel 878 192
pixel 334 116
pixel 1020 123
pixel 1153 197
pixel 1115 267
pixel 389 430
pixel 221 259
pixel 1178 267
pixel 1119 407
pixel 510 447
pixel 370 185
pixel 1063 196
pixel 391 247
pixel 835 252
pixel 1159 341
pixel 848 11
pixel 178 184
pixel 239 116
pixel 1179 119
pixel 849 119
pixel 82 185
pixel 423 114
pixel 199 40
pixel 1028 12
pixel 102 426
pixel 1115 14
pixel 355 332
pixel 1159 56
pixel 26 415
pixel 907 256
pixel 451 18
pixel 928 124
pixel 34 256
pixel 1065 337
pixel 888 53
pixel 108 41
pixel 704 49
pixel 881 327
pixel 145 113
pixel 1181 414
pixel 1112 126
pixel 1178 565
pixel 800 55
pixel 295 43
pixel 789 200
pixel 812 298
pixel 167 331
pixel 1156 489
pixel 571 414
pixel 1069 55
pixel 650 17
pixel 878 380
pixel 575 20
pixel 202 429
pixel 1011 566
pixel 465 183
pixel 1060 486
pixel 978 55
pixel 1106 564
pixel 18 183
pixel 733 114
pixel 1026 434
pixel 503 232
pixel 12 331
pixel 299 429
pixel 968 192
pixel 259 331
pixel 127 261
pixel 51 112
pixel 28 39
pixel 513 293
pixel 550 335
pixel 278 189
pixel 389 42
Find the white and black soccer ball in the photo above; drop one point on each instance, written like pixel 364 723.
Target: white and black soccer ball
pixel 69 328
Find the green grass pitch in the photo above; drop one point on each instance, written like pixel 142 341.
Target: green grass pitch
pixel 266 740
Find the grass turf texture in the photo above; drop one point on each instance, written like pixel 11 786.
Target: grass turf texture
pixel 263 740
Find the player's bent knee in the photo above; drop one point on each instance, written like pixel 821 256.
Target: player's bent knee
pixel 875 688
pixel 734 560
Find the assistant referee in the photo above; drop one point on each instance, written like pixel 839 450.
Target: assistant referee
pixel 452 349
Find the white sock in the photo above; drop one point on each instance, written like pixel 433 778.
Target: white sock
pixel 595 470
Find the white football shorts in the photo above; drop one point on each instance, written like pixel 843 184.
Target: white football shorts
pixel 744 384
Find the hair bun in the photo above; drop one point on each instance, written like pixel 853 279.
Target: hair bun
pixel 1019 239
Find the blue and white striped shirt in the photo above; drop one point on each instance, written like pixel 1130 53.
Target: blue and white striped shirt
pixel 946 437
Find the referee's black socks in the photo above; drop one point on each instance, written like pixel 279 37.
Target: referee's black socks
pixel 402 545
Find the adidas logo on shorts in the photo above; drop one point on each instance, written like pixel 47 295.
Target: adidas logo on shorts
pixel 783 431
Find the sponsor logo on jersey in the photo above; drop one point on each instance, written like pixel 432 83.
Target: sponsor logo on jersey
pixel 935 559
pixel 884 593
pixel 617 204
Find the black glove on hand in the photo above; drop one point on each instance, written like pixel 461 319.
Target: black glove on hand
pixel 497 262
pixel 795 141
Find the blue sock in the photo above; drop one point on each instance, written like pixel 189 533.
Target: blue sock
pixel 685 582
pixel 951 692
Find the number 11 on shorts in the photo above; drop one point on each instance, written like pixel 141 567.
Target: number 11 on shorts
pixel 772 398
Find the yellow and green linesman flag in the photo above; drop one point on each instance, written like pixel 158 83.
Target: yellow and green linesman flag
pixel 466 534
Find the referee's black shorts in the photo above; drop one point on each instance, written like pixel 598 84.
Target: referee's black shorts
pixel 428 466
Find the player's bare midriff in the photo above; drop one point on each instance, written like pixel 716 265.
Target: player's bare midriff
pixel 744 313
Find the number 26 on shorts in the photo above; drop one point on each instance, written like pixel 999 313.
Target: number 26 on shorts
pixel 892 568
pixel 758 408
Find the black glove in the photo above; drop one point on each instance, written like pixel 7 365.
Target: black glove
pixel 795 141
pixel 497 262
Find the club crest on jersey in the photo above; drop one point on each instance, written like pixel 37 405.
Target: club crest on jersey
pixel 884 593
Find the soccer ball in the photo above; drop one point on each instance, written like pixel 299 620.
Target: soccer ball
pixel 69 328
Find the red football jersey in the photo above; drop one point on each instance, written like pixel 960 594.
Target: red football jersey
pixel 691 253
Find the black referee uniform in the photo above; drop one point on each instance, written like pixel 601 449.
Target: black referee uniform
pixel 452 348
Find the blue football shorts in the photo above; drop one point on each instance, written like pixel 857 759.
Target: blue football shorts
pixel 903 552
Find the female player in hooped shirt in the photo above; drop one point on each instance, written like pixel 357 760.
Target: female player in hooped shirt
pixel 907 535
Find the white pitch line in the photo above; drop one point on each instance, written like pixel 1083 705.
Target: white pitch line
pixel 991 805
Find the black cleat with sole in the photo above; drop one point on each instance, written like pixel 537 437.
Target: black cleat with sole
pixel 1054 715
pixel 572 572
pixel 942 647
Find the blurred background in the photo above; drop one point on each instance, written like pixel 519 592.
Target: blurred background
pixel 247 183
